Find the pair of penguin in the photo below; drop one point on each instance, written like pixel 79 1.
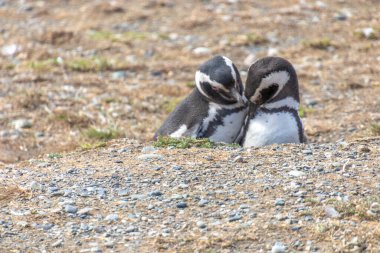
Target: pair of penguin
pixel 220 108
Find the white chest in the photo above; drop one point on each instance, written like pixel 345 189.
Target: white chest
pixel 229 128
pixel 270 128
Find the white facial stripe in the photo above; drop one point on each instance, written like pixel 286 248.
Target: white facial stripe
pixel 230 64
pixel 279 77
pixel 202 77
pixel 286 102
pixel 179 132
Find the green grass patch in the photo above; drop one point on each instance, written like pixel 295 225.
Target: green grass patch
pixel 125 37
pixel 375 129
pixel 186 142
pixel 102 134
pixel 88 64
pixel 322 43
pixel 54 156
pixel 304 111
pixel 88 146
pixel 43 65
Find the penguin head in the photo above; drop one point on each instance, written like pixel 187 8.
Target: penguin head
pixel 271 79
pixel 219 81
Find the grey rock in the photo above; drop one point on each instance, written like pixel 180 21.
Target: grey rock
pixel 202 202
pixel 181 205
pixel 149 157
pixel 22 123
pixel 296 173
pixel 131 229
pixel 331 212
pixel 112 217
pixel 279 202
pixel 201 224
pixel 70 209
pixel 85 210
pixel 278 247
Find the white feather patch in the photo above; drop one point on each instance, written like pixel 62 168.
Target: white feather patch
pixel 179 132
pixel 278 77
pixel 286 102
pixel 270 128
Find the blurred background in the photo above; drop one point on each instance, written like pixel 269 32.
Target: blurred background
pixel 74 74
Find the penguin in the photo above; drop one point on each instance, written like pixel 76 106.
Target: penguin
pixel 215 109
pixel 272 91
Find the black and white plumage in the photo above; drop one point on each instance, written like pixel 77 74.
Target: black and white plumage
pixel 272 91
pixel 215 109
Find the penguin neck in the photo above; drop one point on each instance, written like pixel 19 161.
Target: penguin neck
pixel 288 102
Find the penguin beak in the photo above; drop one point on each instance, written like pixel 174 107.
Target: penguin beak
pixel 241 99
pixel 252 109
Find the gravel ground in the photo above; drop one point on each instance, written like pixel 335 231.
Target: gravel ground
pixel 133 197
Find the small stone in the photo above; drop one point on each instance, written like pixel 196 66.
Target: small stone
pixel 374 209
pixel 23 224
pixel 296 173
pixel 202 202
pixel 85 210
pixel 183 186
pixel 148 149
pixel 177 168
pixel 119 74
pixel 155 193
pixel 149 157
pixel 238 159
pixel 9 50
pixel 278 247
pixel 112 217
pixel 201 51
pixel 201 224
pixel 280 202
pixel 331 212
pixel 22 123
pixel 47 227
pixel 272 51
pixel 235 217
pixel 70 209
pixel 123 192
pixel 131 229
pixel 181 205
pixel 307 152
pixel 368 32
pixel 57 243
pixel 363 149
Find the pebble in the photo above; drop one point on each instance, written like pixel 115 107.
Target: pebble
pixel 296 173
pixel 235 217
pixel 278 247
pixel 70 209
pixel 181 205
pixel 131 229
pixel 123 192
pixel 331 212
pixel 119 74
pixel 368 32
pixel 280 202
pixel 363 149
pixel 149 157
pixel 112 217
pixel 201 224
pixel 22 123
pixel 155 193
pixel 148 149
pixel 238 159
pixel 201 51
pixel 57 243
pixel 202 202
pixel 11 49
pixel 374 209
